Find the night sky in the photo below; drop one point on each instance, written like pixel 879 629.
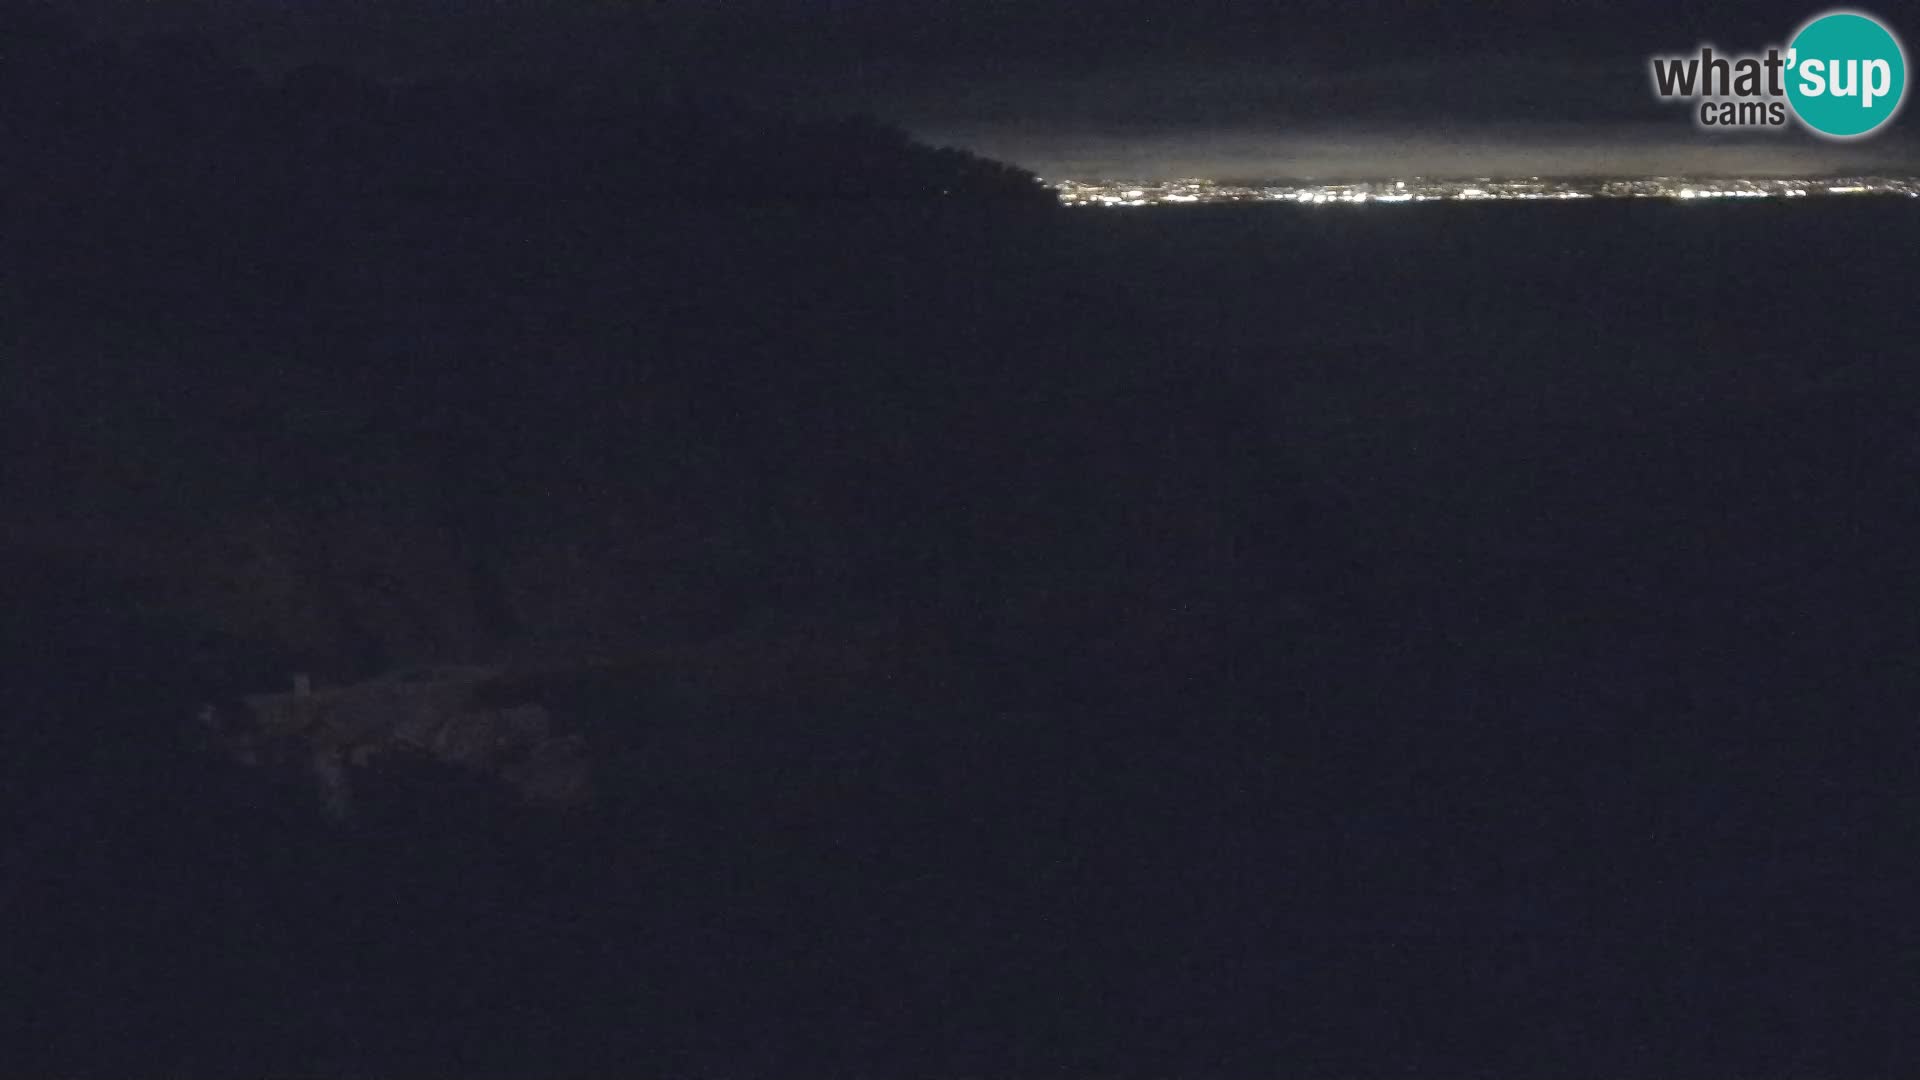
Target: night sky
pixel 1122 88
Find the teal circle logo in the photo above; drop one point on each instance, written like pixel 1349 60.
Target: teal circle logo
pixel 1846 74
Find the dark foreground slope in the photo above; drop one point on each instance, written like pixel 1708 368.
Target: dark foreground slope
pixel 1517 675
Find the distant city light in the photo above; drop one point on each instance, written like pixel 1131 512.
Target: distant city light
pixel 1417 189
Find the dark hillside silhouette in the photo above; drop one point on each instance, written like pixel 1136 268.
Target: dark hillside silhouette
pixel 169 124
pixel 334 377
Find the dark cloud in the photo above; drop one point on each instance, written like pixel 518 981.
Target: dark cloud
pixel 739 37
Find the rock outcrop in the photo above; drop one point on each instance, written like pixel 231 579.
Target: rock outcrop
pixel 440 715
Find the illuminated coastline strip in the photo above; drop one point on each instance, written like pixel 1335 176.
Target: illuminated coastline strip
pixel 1482 189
